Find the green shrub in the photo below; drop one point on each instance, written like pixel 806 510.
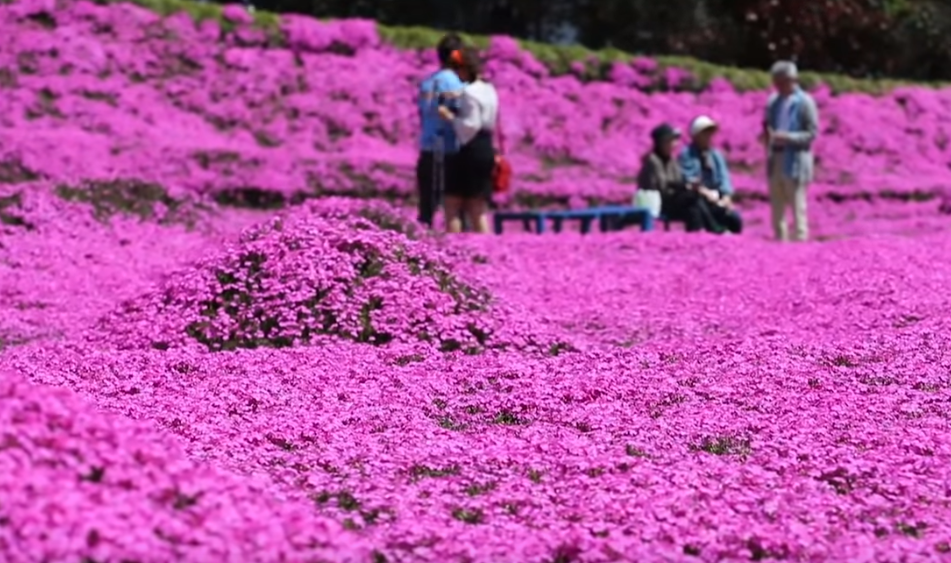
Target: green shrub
pixel 557 57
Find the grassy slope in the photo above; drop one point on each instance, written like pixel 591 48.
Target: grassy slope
pixel 558 58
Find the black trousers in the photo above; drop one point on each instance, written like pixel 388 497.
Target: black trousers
pixel 428 197
pixel 729 219
pixel 428 193
pixel 473 168
pixel 698 214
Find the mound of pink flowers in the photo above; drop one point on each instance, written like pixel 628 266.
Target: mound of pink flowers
pixel 315 275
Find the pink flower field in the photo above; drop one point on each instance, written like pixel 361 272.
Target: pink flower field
pixel 222 339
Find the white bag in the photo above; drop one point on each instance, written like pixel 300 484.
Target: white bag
pixel 649 199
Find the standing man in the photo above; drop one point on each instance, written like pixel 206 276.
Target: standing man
pixel 790 127
pixel 438 144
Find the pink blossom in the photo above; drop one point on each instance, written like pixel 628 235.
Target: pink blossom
pixel 224 338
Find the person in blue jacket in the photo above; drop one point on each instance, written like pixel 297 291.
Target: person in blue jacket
pixel 438 140
pixel 705 170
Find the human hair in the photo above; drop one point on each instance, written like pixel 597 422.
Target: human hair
pixel 784 69
pixel 469 61
pixel 449 43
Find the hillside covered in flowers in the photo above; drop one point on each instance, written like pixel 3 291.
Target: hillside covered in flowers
pixel 222 337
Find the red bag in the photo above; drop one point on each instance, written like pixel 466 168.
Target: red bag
pixel 502 174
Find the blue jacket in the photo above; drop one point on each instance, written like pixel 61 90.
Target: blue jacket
pixel 441 85
pixel 716 176
pixel 803 130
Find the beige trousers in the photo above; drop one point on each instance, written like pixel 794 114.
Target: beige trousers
pixel 787 192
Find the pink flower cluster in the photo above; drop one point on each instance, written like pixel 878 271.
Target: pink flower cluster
pixel 834 452
pixel 320 273
pixel 209 111
pixel 78 483
pixel 183 378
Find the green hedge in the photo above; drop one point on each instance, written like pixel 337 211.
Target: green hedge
pixel 558 58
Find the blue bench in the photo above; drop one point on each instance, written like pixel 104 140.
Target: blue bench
pixel 616 217
pixel 529 220
pixel 610 218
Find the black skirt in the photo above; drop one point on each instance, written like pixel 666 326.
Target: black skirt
pixel 471 173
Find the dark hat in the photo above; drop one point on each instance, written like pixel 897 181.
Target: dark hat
pixel 664 132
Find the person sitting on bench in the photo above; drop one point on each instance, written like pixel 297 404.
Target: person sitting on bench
pixel 660 174
pixel 705 171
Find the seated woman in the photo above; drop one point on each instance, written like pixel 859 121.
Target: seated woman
pixel 474 124
pixel 705 171
pixel 661 173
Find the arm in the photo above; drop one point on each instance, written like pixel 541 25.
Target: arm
pixel 648 178
pixel 448 86
pixel 692 171
pixel 690 167
pixel 810 125
pixel 424 104
pixel 770 108
pixel 468 121
pixel 726 182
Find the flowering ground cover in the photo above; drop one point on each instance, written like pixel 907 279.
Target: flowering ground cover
pixel 712 423
pixel 229 111
pixel 205 358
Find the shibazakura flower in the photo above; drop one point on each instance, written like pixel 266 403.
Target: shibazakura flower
pixel 197 366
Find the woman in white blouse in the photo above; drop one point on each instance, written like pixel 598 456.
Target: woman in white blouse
pixel 471 185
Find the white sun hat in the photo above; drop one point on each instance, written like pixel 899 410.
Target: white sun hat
pixel 700 124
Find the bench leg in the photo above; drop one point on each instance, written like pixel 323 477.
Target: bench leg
pixel 556 224
pixel 527 225
pixel 497 224
pixel 540 224
pixel 586 225
pixel 647 223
